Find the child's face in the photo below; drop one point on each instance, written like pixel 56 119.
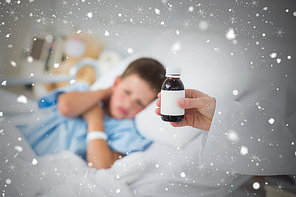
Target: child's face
pixel 129 96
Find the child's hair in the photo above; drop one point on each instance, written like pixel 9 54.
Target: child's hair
pixel 152 71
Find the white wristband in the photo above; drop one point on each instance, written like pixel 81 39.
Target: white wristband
pixel 96 135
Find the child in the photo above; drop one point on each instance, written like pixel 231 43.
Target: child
pixel 98 125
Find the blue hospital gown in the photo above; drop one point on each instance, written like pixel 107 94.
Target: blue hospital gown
pixel 54 132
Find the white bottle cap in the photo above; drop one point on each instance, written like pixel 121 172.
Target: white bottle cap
pixel 173 71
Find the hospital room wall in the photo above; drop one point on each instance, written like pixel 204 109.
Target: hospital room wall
pixel 17 30
pixel 135 29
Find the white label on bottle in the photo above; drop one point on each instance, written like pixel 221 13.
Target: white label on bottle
pixel 169 105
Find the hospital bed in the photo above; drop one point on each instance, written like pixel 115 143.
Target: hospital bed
pixel 171 166
pixel 162 170
pixel 48 78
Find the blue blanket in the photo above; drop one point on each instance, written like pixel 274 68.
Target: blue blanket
pixel 54 132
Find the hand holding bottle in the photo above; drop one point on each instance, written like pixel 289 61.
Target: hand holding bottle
pixel 199 109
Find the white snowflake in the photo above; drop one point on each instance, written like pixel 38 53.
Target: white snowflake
pixel 280 32
pixel 43 174
pixel 12 12
pixel 186 24
pixel 201 167
pixel 90 32
pixel 202 13
pixel 232 173
pixel 186 178
pixel 64 158
pixel 271 120
pixel 112 177
pixel 64 3
pixel 170 8
pixel 141 164
pixel 2 130
pixel 90 186
pixel 11 167
pixel 43 20
pixel 22 99
pixel 279 187
pixel 170 164
pixel 112 21
pixel 232 19
pixel 254 3
pixel 86 185
pixel 89 14
pixel 28 50
pixel 140 9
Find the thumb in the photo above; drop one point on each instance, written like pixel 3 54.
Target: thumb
pixel 189 103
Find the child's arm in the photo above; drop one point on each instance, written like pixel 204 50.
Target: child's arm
pixel 72 104
pixel 98 153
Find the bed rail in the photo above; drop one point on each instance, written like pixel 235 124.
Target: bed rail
pixel 51 78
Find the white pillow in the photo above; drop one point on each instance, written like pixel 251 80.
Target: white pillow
pixel 148 123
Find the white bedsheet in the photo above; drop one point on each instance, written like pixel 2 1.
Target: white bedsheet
pixel 159 171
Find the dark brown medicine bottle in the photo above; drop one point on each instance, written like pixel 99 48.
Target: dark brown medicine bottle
pixel 172 89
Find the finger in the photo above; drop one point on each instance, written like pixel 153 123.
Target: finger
pixel 188 103
pixel 192 93
pixel 158 102
pixel 157 111
pixel 159 95
pixel 179 124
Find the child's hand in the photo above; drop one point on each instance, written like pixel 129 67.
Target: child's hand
pixel 104 94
